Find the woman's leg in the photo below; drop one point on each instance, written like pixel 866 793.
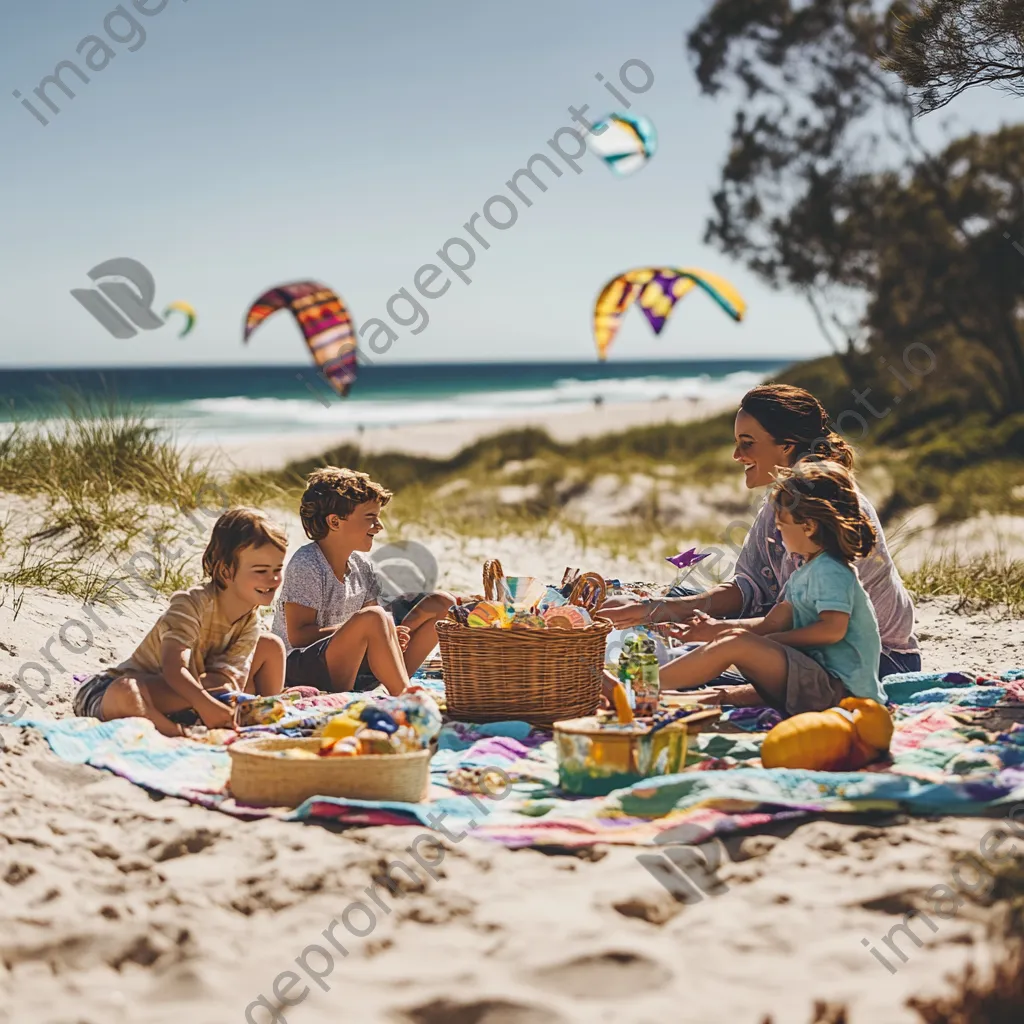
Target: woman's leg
pixel 370 632
pixel 137 697
pixel 266 674
pixel 760 660
pixel 421 622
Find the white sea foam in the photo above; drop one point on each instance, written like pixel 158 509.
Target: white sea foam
pixel 241 416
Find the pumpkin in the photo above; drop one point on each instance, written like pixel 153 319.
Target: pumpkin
pixel 840 739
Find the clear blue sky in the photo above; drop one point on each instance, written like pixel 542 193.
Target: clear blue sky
pixel 249 142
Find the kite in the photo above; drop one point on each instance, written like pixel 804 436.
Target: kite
pixel 625 142
pixel 657 289
pixel 180 306
pixel 326 326
pixel 687 558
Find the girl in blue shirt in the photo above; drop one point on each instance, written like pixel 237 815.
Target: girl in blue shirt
pixel 820 643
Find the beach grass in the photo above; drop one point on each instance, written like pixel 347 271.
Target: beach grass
pixel 103 470
pixel 988 583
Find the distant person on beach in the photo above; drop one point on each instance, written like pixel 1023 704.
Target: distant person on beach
pixel 778 425
pixel 207 642
pixel 337 634
pixel 820 643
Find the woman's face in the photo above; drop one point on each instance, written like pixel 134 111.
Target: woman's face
pixel 757 451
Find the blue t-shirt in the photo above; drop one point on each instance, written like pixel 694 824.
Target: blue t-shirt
pixel 824 584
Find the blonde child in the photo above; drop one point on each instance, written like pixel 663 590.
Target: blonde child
pixel 337 633
pixel 208 640
pixel 820 643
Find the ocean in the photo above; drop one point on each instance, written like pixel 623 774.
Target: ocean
pixel 218 403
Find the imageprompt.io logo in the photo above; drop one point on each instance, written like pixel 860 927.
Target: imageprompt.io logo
pixel 405 567
pixel 687 865
pixel 123 309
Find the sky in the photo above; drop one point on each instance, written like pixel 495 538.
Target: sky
pixel 246 143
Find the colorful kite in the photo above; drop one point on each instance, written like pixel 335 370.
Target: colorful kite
pixel 625 142
pixel 658 289
pixel 180 306
pixel 326 326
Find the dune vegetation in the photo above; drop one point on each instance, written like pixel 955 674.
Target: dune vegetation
pixel 102 481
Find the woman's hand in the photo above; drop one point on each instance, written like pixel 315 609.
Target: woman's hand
pixel 700 629
pixel 403 636
pixel 623 615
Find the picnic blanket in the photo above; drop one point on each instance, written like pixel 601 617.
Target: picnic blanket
pixel 944 761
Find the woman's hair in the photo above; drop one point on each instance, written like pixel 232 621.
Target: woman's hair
pixel 334 491
pixel 236 529
pixel 794 416
pixel 822 493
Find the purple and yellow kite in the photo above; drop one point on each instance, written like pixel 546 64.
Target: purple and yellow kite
pixel 657 289
pixel 326 326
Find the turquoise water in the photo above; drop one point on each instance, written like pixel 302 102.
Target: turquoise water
pixel 217 402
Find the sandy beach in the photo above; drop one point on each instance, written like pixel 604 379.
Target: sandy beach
pixel 120 906
pixel 444 438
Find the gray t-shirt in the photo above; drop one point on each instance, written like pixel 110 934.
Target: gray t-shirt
pixel 309 580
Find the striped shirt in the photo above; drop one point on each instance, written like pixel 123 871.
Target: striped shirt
pixel 195 619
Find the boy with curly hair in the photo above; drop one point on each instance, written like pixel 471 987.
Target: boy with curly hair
pixel 337 633
pixel 207 642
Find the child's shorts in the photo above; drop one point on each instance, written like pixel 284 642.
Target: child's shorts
pixel 88 697
pixel 809 686
pixel 307 666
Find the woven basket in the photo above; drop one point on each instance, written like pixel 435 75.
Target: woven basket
pixel 259 778
pixel 536 675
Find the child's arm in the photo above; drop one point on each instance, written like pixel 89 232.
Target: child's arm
pixel 778 620
pixel 303 630
pixel 174 658
pixel 230 668
pixel 829 629
pixel 703 628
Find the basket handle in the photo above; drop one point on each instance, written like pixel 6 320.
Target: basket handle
pixel 492 573
pixel 589 592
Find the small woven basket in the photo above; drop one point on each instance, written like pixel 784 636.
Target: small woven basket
pixel 540 676
pixel 259 778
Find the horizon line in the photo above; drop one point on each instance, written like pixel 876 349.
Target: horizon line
pixel 388 365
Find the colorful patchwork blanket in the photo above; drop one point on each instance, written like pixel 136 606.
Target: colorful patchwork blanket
pixel 958 748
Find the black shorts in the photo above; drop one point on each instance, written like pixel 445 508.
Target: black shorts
pixel 307 666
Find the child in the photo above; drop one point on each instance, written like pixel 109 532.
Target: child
pixel 208 640
pixel 337 635
pixel 820 643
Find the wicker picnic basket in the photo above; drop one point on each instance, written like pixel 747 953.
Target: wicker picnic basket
pixel 259 778
pixel 540 676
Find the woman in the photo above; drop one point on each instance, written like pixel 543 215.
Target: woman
pixel 778 425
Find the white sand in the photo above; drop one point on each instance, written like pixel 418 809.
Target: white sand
pixel 444 439
pixel 118 907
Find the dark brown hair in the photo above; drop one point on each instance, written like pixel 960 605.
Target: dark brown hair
pixel 334 491
pixel 823 493
pixel 236 529
pixel 794 416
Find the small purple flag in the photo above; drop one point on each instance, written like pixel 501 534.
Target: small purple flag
pixel 687 558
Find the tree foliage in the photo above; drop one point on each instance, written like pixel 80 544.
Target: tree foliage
pixel 827 190
pixel 945 47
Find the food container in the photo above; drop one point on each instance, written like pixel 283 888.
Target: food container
pixel 597 755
